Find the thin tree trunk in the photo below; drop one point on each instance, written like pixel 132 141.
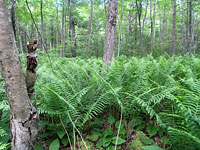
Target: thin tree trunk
pixel 130 19
pixel 105 6
pixel 154 22
pixel 42 24
pixel 139 12
pixel 120 30
pixel 136 27
pixel 174 30
pixel 183 28
pixel 111 21
pixel 57 28
pixel 187 31
pixel 90 27
pixel 151 18
pixel 73 49
pixel 24 121
pixel 63 30
pixel 141 35
pixel 190 28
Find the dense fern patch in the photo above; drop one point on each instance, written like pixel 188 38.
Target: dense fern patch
pixel 160 97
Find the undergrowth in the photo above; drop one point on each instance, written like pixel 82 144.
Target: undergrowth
pixel 160 97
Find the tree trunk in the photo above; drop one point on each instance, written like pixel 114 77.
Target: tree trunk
pixel 120 29
pixel 174 30
pixel 72 32
pixel 23 115
pixel 141 35
pixel 63 30
pixel 73 49
pixel 136 27
pixel 139 13
pixel 130 19
pixel 90 27
pixel 111 21
pixel 183 28
pixel 42 24
pixel 154 21
pixel 57 25
pixel 151 18
pixel 190 28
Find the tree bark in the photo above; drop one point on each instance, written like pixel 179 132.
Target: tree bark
pixel 111 21
pixel 23 115
pixel 72 32
pixel 90 27
pixel 174 30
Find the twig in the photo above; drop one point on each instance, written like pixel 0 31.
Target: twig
pixel 66 133
pixel 77 131
pixel 120 122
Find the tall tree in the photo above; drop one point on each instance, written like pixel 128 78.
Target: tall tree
pixel 190 27
pixel 151 18
pixel 57 25
pixel 174 30
pixel 23 115
pixel 183 27
pixel 111 21
pixel 72 31
pixel 90 26
pixel 42 24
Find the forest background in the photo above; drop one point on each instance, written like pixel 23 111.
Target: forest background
pixel 147 99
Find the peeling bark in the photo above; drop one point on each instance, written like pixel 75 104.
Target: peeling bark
pixel 24 119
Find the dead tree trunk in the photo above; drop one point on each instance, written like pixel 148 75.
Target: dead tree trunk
pixel 111 21
pixel 24 118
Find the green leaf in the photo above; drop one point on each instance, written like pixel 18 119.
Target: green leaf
pixel 146 140
pixel 122 132
pixel 37 147
pixel 107 141
pixel 100 143
pixel 93 137
pixel 165 140
pixel 65 140
pixel 152 130
pixel 119 141
pixel 117 124
pixel 107 132
pixel 55 145
pixel 60 133
pixel 152 147
pixel 111 119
